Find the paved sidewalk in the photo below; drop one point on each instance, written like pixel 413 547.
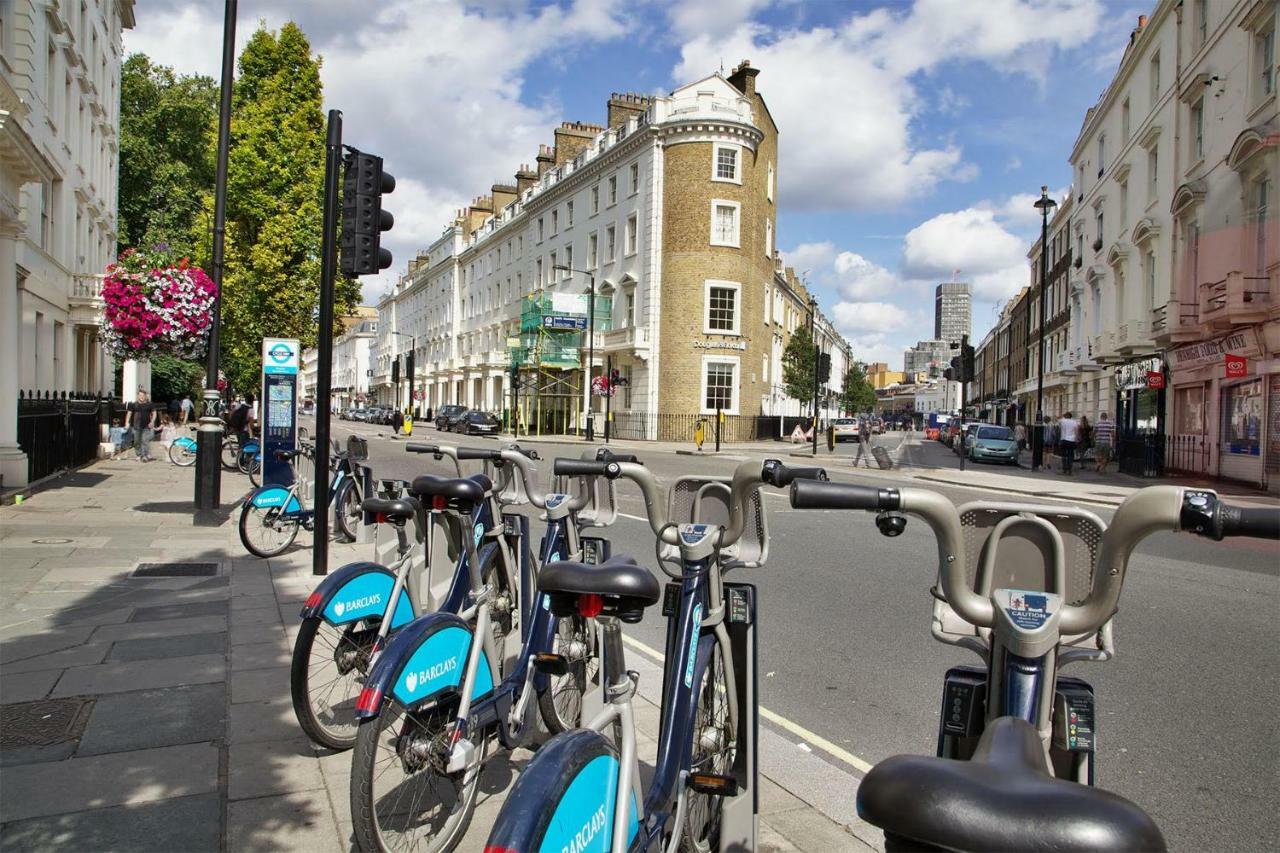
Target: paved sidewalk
pixel 154 713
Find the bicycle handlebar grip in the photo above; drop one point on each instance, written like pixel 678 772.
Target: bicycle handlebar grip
pixel 586 468
pixel 419 447
pixel 607 455
pixel 478 453
pixel 1258 522
pixel 816 494
pixel 527 453
pixel 776 473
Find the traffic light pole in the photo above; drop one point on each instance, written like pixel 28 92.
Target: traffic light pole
pixel 324 342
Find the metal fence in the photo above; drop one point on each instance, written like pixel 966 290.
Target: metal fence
pixel 1141 455
pixel 58 431
pixel 666 426
pixel 1187 454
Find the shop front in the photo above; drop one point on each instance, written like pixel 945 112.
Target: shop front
pixel 1226 406
pixel 1139 416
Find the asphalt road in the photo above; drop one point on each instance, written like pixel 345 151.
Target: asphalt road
pixel 1188 709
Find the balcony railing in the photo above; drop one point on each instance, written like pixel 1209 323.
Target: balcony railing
pixel 86 288
pixel 1175 317
pixel 625 338
pixel 1235 300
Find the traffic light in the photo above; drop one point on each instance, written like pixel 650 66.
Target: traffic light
pixel 395 371
pixel 956 373
pixel 363 219
pixel 966 357
pixel 949 375
pixel 824 366
pixel 408 365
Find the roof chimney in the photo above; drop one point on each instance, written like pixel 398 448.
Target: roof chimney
pixel 546 159
pixel 743 78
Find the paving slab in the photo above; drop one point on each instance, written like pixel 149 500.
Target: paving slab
pixel 28 686
pixel 261 633
pixel 153 648
pixel 186 823
pixel 808 830
pixel 260 655
pixel 77 656
pixel 180 611
pixel 284 822
pixel 42 643
pixel 161 628
pixel 141 675
pixel 116 779
pixel 256 616
pixel 259 685
pixel 270 720
pixel 277 767
pixel 150 718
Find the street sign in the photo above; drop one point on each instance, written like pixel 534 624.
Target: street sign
pixel 552 321
pixel 279 355
pixel 277 407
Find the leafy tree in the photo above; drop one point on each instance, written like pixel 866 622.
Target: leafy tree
pixel 797 366
pixel 172 377
pixel 168 125
pixel 274 198
pixel 856 393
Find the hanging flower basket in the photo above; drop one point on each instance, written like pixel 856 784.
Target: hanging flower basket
pixel 156 304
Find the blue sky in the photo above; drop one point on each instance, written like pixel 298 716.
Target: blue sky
pixel 914 135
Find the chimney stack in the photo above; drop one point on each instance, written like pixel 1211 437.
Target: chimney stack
pixel 546 159
pixel 572 138
pixel 624 105
pixel 743 78
pixel 525 178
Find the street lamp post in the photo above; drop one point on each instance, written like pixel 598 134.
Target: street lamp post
pixel 1045 205
pixel 589 435
pixel 208 486
pixel 413 363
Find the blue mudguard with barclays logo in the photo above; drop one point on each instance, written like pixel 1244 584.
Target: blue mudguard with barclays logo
pixel 424 659
pixel 564 799
pixel 275 496
pixel 185 442
pixel 358 591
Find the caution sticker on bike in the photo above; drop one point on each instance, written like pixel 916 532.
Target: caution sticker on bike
pixel 1027 609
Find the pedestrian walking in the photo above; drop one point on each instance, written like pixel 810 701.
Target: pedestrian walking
pixel 238 421
pixel 173 409
pixel 1068 438
pixel 1086 441
pixel 1020 435
pixel 397 420
pixel 864 443
pixel 1104 442
pixel 188 409
pixel 142 424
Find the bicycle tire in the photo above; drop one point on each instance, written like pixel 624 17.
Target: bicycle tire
pixel 560 703
pixel 244 461
pixel 369 833
pixel 230 453
pixel 261 518
pixel 347 524
pixel 181 456
pixel 336 736
pixel 709 753
pixel 255 476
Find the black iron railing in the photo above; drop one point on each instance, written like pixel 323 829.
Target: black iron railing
pixel 666 426
pixel 60 430
pixel 1187 454
pixel 1141 455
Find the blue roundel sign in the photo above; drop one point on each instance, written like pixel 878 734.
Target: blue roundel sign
pixel 280 353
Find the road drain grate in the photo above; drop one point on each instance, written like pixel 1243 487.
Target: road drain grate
pixel 43 723
pixel 175 570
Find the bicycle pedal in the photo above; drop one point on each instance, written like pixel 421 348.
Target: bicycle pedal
pixel 714 784
pixel 551 664
pixel 462 756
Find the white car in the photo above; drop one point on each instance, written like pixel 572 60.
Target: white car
pixel 845 428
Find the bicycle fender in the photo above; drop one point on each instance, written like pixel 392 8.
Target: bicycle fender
pixel 184 442
pixel 357 591
pixel 275 496
pixel 423 659
pixel 564 799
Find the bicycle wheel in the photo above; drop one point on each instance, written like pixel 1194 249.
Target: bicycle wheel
pixel 561 701
pixel 402 797
pixel 329 667
pixel 503 606
pixel 711 753
pixel 230 453
pixel 267 532
pixel 255 474
pixel 347 509
pixel 182 455
pixel 244 461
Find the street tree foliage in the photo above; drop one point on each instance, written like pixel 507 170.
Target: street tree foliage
pixel 171 378
pixel 275 188
pixel 168 124
pixel 797 366
pixel 856 393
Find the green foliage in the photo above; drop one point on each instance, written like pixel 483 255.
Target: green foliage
pixel 274 199
pixel 167 126
pixel 172 378
pixel 797 366
pixel 856 393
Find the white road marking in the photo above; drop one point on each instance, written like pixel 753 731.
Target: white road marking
pixel 633 517
pixel 777 719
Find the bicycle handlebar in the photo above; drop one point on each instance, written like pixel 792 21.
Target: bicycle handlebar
pixel 438 450
pixel 814 494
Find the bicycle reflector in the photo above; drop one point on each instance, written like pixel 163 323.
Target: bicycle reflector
pixel 551 664
pixel 714 784
pixel 313 600
pixel 590 605
pixel 369 699
pixel 439 502
pixel 493 848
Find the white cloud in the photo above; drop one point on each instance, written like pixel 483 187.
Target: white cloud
pixel 973 242
pixel 711 17
pixel 876 317
pixel 851 275
pixel 846 99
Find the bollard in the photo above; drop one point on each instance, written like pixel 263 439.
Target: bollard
pixel 719 421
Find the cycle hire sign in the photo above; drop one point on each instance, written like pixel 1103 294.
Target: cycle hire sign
pixel 277 406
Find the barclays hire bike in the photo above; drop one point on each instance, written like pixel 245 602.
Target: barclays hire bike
pixel 444 686
pixel 580 792
pixel 182 452
pixel 1030 589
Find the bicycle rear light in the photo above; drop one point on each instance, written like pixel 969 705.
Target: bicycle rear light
pixel 369 699
pixel 590 605
pixel 313 600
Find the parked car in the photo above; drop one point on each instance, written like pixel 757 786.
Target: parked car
pixel 446 414
pixel 962 439
pixel 845 428
pixel 379 415
pixel 476 423
pixel 950 431
pixel 993 444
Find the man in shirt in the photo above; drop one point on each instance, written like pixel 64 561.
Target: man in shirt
pixel 142 422
pixel 864 443
pixel 1104 441
pixel 188 408
pixel 1068 438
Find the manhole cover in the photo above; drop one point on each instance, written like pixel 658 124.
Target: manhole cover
pixel 175 570
pixel 50 541
pixel 43 723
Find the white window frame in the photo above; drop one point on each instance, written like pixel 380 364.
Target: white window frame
pixel 735 396
pixel 610 243
pixel 716 148
pixel 555 222
pixel 634 178
pixel 568 262
pixel 769 187
pixel 737 223
pixel 1197 130
pixel 631 236
pixel 568 214
pixel 736 287
pixel 593 249
pixel 613 190
pixel 595 199
pixel 768 238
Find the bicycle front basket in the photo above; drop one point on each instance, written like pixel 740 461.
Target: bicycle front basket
pixel 357 448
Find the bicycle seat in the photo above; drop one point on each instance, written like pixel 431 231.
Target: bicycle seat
pixel 1004 798
pixel 625 587
pixel 458 491
pixel 392 509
